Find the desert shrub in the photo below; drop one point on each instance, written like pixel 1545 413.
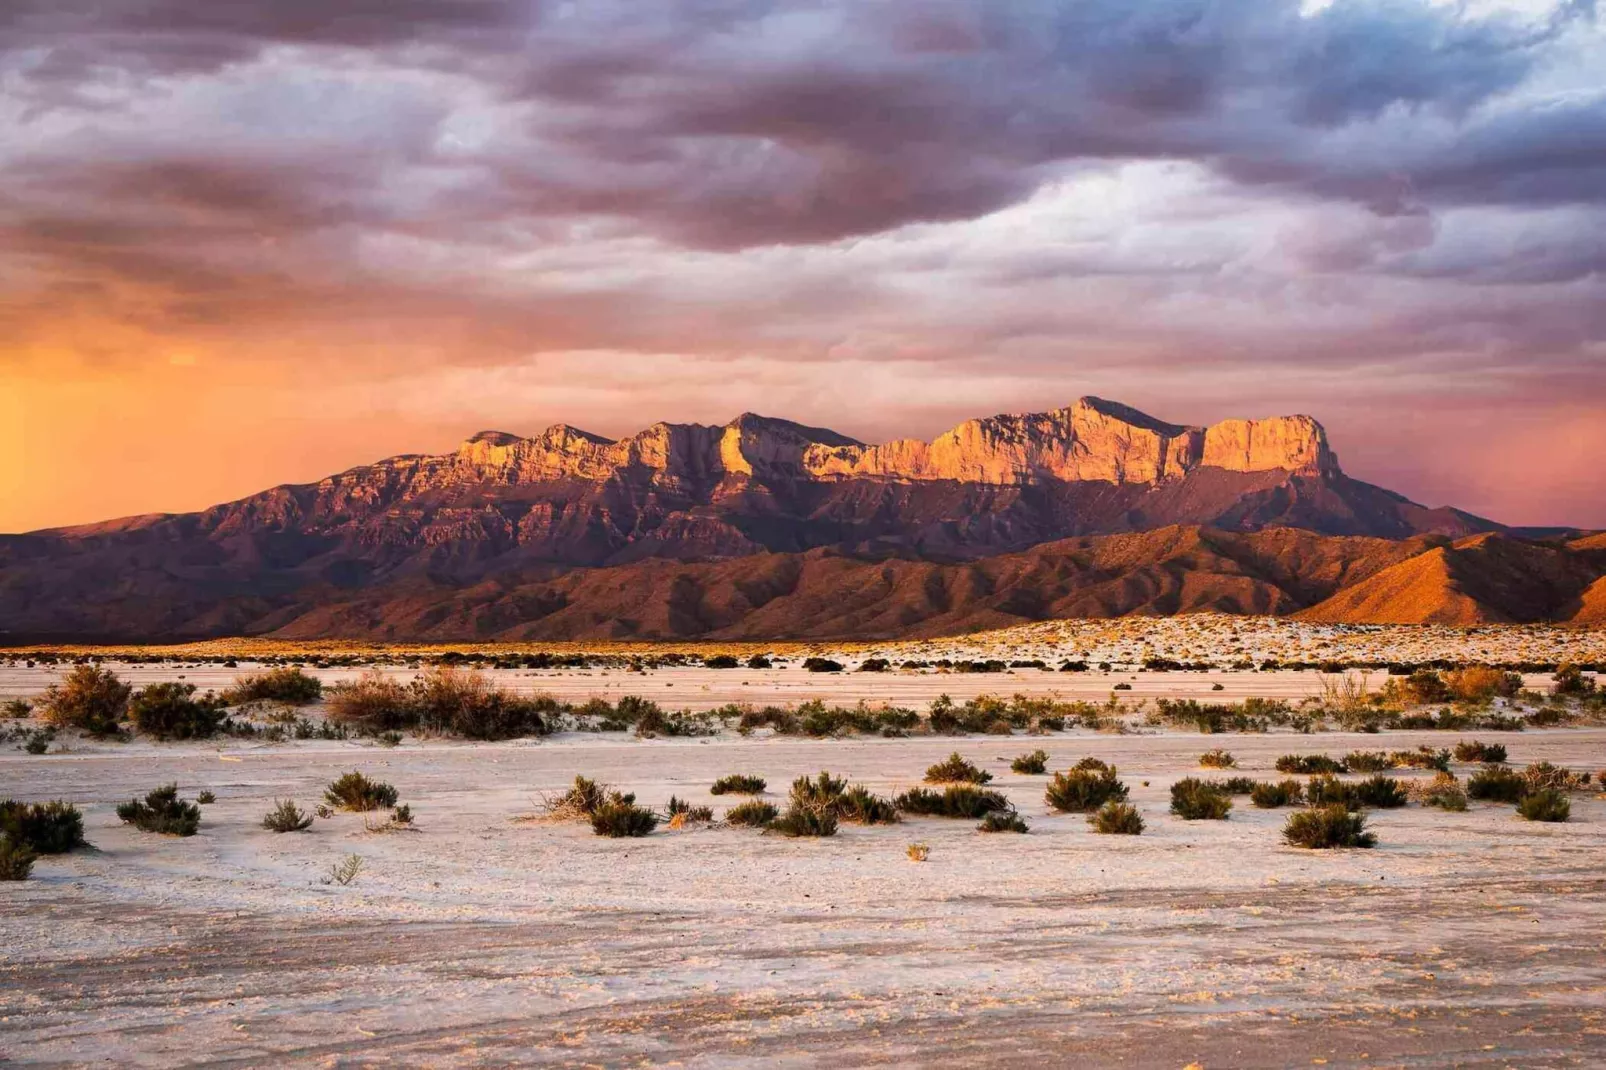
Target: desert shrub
pixel 917 852
pixel 206 797
pixel 88 698
pixel 1382 792
pixel 1092 763
pixel 820 792
pixel 955 769
pixel 454 702
pixel 1033 764
pixel 1546 804
pixel 1478 683
pixel 1003 821
pixel 738 784
pixel 1328 790
pixel 345 871
pixel 584 798
pixel 288 685
pixel 758 661
pixel 956 800
pixel 1496 784
pixel 16 860
pixel 1272 794
pixel 1475 751
pixel 38 742
pixel 685 811
pixel 1444 792
pixel 719 661
pixel 286 816
pixel 1083 790
pixel 821 665
pixel 49 828
pixel 1421 758
pixel 1217 759
pixel 353 791
pixel 1116 819
pixel 1367 761
pixel 1193 799
pixel 1422 688
pixel 16 709
pixel 859 806
pixel 874 665
pixel 1326 827
pixel 1236 785
pixel 804 821
pixel 171 711
pixel 1308 763
pixel 1254 715
pixel 373 703
pixel 1570 680
pixel 620 819
pixel 162 811
pixel 1543 775
pixel 751 814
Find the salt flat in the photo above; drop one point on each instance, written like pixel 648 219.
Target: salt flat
pixel 486 938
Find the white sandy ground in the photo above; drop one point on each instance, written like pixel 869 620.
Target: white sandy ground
pixel 481 939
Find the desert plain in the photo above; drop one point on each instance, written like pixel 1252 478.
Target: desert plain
pixel 492 933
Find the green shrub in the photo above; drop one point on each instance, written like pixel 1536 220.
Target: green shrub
pixel 353 791
pixel 821 665
pixel 1382 792
pixel 1236 785
pixel 752 814
pixel 1217 759
pixel 1546 804
pixel 15 708
pixel 1116 819
pixel 1095 764
pixel 858 806
pixel 1496 784
pixel 16 860
pixel 49 828
pixel 804 821
pixel 956 770
pixel 1570 680
pixel 1446 795
pixel 1003 821
pixel 1327 827
pixel 1271 795
pixel 286 817
pixel 1330 791
pixel 738 784
pixel 206 796
pixel 1193 799
pixel 288 685
pixel 1367 761
pixel 719 661
pixel 1081 791
pixel 162 811
pixel 171 711
pixel 621 819
pixel 1308 763
pixel 1033 764
pixel 688 812
pixel 820 791
pixel 1475 751
pixel 88 698
pixel 956 800
pixel 583 799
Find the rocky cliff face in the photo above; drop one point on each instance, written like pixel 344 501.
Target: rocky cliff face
pixel 502 509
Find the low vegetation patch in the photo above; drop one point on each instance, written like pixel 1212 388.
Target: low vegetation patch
pixel 738 784
pixel 1270 795
pixel 753 814
pixel 956 800
pixel 1327 827
pixel 1308 763
pixel 1381 792
pixel 1472 750
pixel 1217 759
pixel 88 698
pixel 1494 783
pixel 1546 804
pixel 857 805
pixel 288 685
pixel 1116 819
pixel 162 811
pixel 48 828
pixel 1081 791
pixel 620 819
pixel 1193 799
pixel 1003 821
pixel 583 799
pixel 16 859
pixel 801 821
pixel 955 769
pixel 355 792
pixel 1421 758
pixel 286 816
pixel 1541 776
pixel 447 701
pixel 1033 764
pixel 1367 761
pixel 171 711
pixel 686 812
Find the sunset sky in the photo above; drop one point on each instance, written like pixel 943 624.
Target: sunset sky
pixel 251 243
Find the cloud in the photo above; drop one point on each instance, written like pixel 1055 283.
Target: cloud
pixel 1242 205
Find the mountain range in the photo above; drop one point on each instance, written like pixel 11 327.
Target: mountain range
pixel 763 528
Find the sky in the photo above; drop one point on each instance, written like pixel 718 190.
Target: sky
pixel 258 242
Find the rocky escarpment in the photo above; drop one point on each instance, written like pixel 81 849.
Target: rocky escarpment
pixel 504 509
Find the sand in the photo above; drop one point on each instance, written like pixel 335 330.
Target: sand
pixel 487 939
